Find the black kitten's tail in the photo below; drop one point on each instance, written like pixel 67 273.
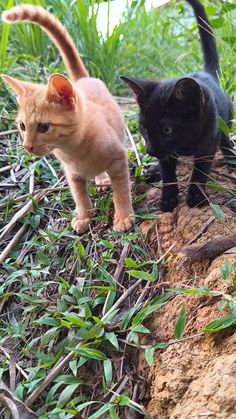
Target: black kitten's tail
pixel 211 61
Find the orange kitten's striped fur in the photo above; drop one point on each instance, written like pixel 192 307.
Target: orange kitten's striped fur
pixel 78 121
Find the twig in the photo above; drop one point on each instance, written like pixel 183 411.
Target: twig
pixel 8 185
pixel 170 342
pixel 31 181
pixel 54 173
pixel 46 191
pixel 116 389
pixel 7 355
pixel 9 132
pixel 209 250
pixel 201 230
pixel 13 242
pixel 225 175
pixel 134 146
pixel 12 373
pixel 117 273
pixel 19 214
pixel 5 168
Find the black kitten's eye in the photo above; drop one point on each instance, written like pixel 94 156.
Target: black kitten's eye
pixel 43 127
pixel 22 126
pixel 167 130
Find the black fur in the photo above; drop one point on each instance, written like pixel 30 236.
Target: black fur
pixel 179 117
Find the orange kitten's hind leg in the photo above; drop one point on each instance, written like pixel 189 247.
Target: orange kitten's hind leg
pixel 124 216
pixel 78 187
pixel 103 181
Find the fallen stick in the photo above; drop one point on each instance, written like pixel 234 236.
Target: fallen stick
pixel 201 230
pixel 10 132
pixel 21 213
pixel 7 355
pixel 46 191
pixel 210 249
pixel 5 168
pixel 13 242
pixel 134 146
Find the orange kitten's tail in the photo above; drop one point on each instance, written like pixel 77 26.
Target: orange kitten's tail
pixel 55 31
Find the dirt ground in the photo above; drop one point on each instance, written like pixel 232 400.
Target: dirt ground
pixel 195 378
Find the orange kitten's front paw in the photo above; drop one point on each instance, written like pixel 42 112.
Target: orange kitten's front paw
pixel 81 225
pixel 123 224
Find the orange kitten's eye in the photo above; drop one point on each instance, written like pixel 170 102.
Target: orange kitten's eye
pixel 22 126
pixel 43 127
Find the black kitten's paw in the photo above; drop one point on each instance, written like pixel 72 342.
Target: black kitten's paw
pixel 196 198
pixel 167 204
pixel 152 174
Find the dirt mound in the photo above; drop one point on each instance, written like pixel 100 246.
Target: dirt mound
pixel 195 377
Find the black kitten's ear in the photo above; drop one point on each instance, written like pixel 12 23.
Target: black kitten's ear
pixel 141 88
pixel 188 90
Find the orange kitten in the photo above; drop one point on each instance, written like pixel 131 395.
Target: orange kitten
pixel 78 121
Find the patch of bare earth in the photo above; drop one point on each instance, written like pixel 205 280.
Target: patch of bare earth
pixel 196 377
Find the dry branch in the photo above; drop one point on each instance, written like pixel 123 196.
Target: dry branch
pixel 13 242
pixel 9 132
pixel 21 213
pixel 17 408
pixel 209 250
pixel 7 355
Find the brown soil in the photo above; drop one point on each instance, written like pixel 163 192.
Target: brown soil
pixel 194 378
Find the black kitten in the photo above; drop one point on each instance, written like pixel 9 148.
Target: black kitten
pixel 179 117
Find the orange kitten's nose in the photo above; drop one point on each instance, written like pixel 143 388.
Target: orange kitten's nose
pixel 28 147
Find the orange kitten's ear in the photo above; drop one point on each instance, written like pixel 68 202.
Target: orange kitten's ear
pixel 15 84
pixel 60 90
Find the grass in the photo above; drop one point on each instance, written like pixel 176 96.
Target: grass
pixel 78 306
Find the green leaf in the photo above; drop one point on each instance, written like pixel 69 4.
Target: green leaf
pixel 49 321
pixel 92 333
pixel 217 212
pixel 140 329
pixel 194 291
pixel 223 126
pixel 140 275
pixel 219 324
pixel 81 249
pixel 215 186
pixel 131 263
pixel 161 345
pixel 77 321
pixel 67 379
pixel 112 338
pixel 150 307
pixel 128 317
pixel 180 323
pixel 90 353
pixel 100 412
pixel 82 406
pixel 149 354
pixel 66 394
pixel 73 366
pixel 113 414
pixel 123 400
pixel 107 366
